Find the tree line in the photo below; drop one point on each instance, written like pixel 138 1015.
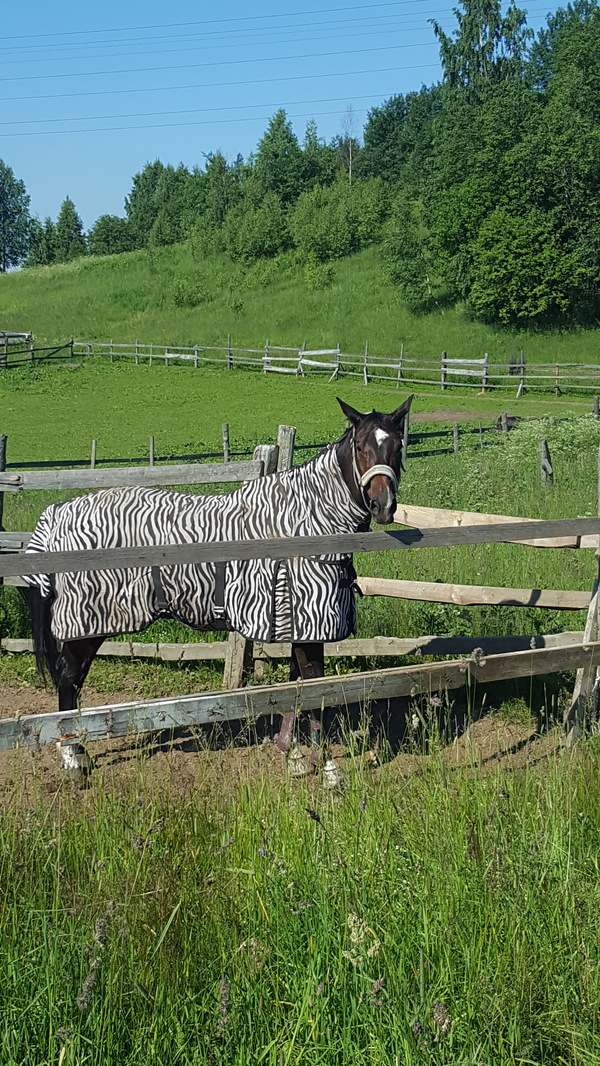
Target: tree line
pixel 482 190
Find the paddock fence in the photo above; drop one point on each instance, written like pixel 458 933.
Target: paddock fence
pixel 486 374
pixel 144 716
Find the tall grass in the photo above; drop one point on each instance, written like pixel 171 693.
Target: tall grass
pixel 441 916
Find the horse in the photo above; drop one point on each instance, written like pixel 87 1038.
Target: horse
pixel 306 601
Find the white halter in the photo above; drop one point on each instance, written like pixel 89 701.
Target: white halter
pixel 362 480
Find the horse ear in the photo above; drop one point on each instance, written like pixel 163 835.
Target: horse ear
pixel 401 412
pixel 351 414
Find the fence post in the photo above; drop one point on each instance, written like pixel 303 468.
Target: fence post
pixel 93 455
pixel 229 355
pixel 3 440
pixel 196 356
pixel 484 376
pixel 597 406
pixel 366 365
pixel 225 430
pixel 89 348
pixel 586 681
pixel 443 371
pixel 400 360
pixel 286 436
pixel 266 362
pixel 557 389
pixel 150 356
pixel 504 423
pixel 111 351
pixel 5 352
pixel 71 343
pixel 268 454
pixel 151 452
pixel 480 437
pixel 521 388
pixel 137 352
pixel 455 436
pixel 31 350
pixel 546 471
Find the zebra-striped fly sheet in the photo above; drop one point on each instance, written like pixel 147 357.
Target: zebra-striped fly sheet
pixel 301 599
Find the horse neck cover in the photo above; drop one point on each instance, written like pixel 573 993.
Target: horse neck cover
pixel 264 599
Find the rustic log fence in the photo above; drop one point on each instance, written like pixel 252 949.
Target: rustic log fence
pixel 144 716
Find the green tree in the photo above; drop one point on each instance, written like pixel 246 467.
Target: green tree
pixel 110 235
pixel 141 208
pixel 487 47
pixel 14 219
pixel 69 240
pixel 256 232
pixel 398 138
pixel 329 222
pixel 278 164
pixel 407 254
pixel 41 243
pixel 319 162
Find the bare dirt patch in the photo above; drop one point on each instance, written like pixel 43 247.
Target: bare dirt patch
pixel 447 414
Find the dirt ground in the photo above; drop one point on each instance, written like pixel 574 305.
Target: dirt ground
pixel 186 763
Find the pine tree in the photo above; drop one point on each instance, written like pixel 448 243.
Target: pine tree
pixel 69 239
pixel 278 164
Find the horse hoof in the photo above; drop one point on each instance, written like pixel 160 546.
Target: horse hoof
pixel 298 764
pixel 331 775
pixel 76 764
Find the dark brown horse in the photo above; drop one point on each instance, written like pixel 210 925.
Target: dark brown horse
pixel 365 464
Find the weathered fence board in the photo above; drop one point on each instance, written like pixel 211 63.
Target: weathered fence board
pixel 285 547
pixel 119 720
pixel 198 651
pixel 109 478
pixel 434 517
pixel 468 595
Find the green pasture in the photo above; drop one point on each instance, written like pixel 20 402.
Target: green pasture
pixel 436 915
pixel 176 295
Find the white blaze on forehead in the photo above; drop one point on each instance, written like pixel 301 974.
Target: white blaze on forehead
pixel 381 435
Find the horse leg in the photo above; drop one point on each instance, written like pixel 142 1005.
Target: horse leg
pixel 72 666
pixel 306 662
pixel 71 669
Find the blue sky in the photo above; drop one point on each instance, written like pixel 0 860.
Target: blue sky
pixel 91 92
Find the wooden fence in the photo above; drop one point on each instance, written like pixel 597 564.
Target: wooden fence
pixel 398 370
pixel 118 720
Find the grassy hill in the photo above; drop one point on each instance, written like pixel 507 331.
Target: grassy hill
pixel 147 295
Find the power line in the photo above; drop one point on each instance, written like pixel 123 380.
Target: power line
pixel 188 111
pixel 209 22
pixel 222 84
pixel 227 43
pixel 224 34
pixel 220 63
pixel 173 125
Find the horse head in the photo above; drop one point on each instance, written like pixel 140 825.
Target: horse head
pixel 370 456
